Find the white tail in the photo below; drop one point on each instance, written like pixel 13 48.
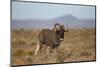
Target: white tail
pixel 37 49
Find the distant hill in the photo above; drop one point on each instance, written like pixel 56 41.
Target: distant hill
pixel 72 21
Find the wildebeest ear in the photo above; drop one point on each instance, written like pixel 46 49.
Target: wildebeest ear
pixel 56 27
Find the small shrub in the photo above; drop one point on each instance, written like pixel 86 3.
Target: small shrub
pixel 19 52
pixel 85 53
pixel 33 43
pixel 60 59
pixel 30 53
pixel 29 60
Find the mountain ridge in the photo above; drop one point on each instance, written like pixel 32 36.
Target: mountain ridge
pixel 72 21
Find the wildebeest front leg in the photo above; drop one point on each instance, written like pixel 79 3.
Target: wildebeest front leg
pixel 44 50
pixel 55 51
pixel 51 49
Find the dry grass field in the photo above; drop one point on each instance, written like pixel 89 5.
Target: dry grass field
pixel 78 45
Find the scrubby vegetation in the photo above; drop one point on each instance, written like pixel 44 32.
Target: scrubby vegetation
pixel 78 45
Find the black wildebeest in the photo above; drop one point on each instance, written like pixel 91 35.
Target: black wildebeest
pixel 51 38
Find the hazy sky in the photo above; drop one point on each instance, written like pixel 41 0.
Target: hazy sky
pixel 26 10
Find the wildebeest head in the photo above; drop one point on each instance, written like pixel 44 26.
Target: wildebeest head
pixel 61 32
pixel 60 29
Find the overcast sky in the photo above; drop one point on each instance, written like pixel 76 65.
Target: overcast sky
pixel 26 10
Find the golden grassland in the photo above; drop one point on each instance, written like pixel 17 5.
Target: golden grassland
pixel 78 45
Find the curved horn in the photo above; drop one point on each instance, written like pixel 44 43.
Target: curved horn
pixel 57 27
pixel 63 27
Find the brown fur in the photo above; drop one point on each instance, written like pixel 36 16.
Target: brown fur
pixel 50 38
